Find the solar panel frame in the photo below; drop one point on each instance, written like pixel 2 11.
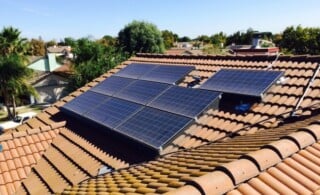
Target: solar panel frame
pixel 153 127
pixel 188 102
pixel 112 85
pixel 243 82
pixel 170 74
pixel 113 112
pixel 135 70
pixel 85 102
pixel 142 92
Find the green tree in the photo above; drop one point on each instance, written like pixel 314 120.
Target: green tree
pixel 169 38
pixel 204 39
pixel 11 43
pixel 69 41
pixel 219 39
pixel 36 47
pixel 108 40
pixel 240 38
pixel 13 81
pixel 139 36
pixel 93 59
pixel 184 39
pixel 13 70
pixel 299 40
pixel 51 43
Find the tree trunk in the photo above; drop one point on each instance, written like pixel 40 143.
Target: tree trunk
pixel 13 106
pixel 5 96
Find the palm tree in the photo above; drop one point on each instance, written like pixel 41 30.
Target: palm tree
pixel 13 81
pixel 12 43
pixel 13 70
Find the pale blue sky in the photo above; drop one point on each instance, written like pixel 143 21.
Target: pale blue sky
pixel 56 19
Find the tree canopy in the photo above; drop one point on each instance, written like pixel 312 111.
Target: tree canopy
pixel 139 36
pixel 13 70
pixel 299 40
pixel 92 60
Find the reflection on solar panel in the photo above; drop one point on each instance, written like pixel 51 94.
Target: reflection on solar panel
pixel 112 85
pixel 142 92
pixel 167 74
pixel 153 127
pixel 135 70
pixel 185 101
pixel 112 112
pixel 244 82
pixel 85 102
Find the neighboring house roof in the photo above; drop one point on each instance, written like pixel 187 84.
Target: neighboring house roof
pixel 178 51
pixel 46 64
pixel 59 49
pixel 214 136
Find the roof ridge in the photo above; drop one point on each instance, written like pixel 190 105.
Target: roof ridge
pixel 17 134
pixel 227 176
pixel 297 58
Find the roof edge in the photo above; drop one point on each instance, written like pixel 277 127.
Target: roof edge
pixel 12 135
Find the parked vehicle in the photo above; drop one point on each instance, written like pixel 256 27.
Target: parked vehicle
pixel 18 120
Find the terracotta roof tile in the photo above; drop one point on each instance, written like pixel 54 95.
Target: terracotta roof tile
pixel 171 171
pixel 20 153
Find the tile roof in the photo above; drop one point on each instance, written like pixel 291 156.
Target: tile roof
pixel 21 152
pixel 267 121
pixel 178 169
pixel 290 165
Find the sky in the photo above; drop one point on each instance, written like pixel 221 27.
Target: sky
pixel 56 19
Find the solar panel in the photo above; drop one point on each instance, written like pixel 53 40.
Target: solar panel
pixel 185 101
pixel 135 70
pixel 112 85
pixel 167 74
pixel 141 91
pixel 112 112
pixel 244 82
pixel 154 127
pixel 85 102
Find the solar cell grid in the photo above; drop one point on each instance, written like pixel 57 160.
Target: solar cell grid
pixel 167 73
pixel 245 82
pixel 185 101
pixel 112 112
pixel 112 85
pixel 85 102
pixel 142 92
pixel 135 70
pixel 153 127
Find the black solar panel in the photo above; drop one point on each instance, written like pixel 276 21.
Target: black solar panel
pixel 185 101
pixel 112 85
pixel 167 74
pixel 153 127
pixel 112 112
pixel 85 102
pixel 244 82
pixel 141 91
pixel 135 70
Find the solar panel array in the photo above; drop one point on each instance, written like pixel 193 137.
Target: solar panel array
pixel 112 85
pixel 149 112
pixel 135 71
pixel 154 127
pixel 113 112
pixel 185 101
pixel 244 82
pixel 169 74
pixel 142 92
